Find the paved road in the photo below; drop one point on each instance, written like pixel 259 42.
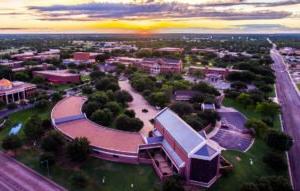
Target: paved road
pixel 16 177
pixel 6 112
pixel 290 104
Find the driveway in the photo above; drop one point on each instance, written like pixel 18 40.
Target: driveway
pixel 17 177
pixel 138 104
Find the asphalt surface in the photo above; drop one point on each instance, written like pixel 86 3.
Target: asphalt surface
pixel 290 106
pixel 17 177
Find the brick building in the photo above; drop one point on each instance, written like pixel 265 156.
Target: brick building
pixel 58 76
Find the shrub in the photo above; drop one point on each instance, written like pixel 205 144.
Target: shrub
pixel 79 180
pixel 79 149
pixel 279 141
pixel 275 160
pixel 52 142
pixel 11 142
pixel 47 158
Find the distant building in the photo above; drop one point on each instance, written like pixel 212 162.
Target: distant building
pixel 150 65
pixel 82 58
pixel 58 76
pixel 208 107
pixel 213 70
pixel 42 56
pixel 11 63
pixel 11 92
pixel 160 65
pixel 185 95
pixel 210 50
pixel 170 49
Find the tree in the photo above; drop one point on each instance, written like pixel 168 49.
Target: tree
pixel 249 187
pixel 172 184
pixel 103 117
pixel 5 72
pixel 239 85
pixel 123 96
pixel 22 76
pixel 205 88
pixel 107 83
pixel 87 90
pixel 260 127
pixel 268 109
pixel 114 107
pixel 33 128
pixel 100 98
pixel 279 140
pixel 90 108
pixel 42 104
pixel 123 122
pixel 56 97
pixel 244 99
pixel 78 179
pixel 274 183
pixel 159 99
pixel 96 75
pixel 49 157
pixel 11 142
pixel 182 108
pixel 130 113
pixel 79 149
pixel 38 80
pixel 275 160
pixel 52 142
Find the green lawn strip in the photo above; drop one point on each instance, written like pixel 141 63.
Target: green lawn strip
pixel 243 171
pixel 61 87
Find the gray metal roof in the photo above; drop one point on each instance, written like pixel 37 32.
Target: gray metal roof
pixel 206 150
pixel 178 161
pixel 184 134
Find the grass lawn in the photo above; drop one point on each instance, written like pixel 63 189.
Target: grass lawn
pixel 85 78
pixel 298 86
pixel 61 87
pixel 249 112
pixel 118 177
pixel 243 171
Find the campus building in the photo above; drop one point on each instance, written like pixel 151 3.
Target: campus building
pixel 58 76
pixel 150 65
pixel 213 71
pixel 82 58
pixel 11 92
pixel 173 147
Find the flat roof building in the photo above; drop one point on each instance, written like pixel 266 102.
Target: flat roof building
pixel 58 76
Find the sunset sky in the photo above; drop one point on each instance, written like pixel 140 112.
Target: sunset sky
pixel 149 16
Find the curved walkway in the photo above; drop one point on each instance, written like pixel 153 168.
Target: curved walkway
pixel 68 118
pixel 138 104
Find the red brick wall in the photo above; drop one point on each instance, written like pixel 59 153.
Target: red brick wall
pixel 81 56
